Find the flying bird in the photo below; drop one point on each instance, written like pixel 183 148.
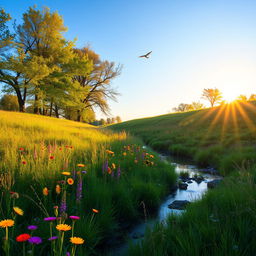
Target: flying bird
pixel 145 55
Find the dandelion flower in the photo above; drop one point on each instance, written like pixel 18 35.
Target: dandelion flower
pixel 70 181
pixel 18 211
pixel 58 189
pixel 81 165
pixel 6 223
pixel 66 173
pixel 22 237
pixel 76 240
pixel 63 227
pixel 45 191
pixel 95 210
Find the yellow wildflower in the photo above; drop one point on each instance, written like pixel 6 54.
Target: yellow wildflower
pixel 81 165
pixel 58 189
pixel 45 191
pixel 63 227
pixel 76 240
pixel 6 223
pixel 66 173
pixel 18 211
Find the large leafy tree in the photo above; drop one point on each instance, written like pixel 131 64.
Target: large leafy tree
pixel 212 95
pixel 96 85
pixel 40 58
pixel 9 102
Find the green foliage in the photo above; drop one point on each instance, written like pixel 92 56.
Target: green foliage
pixel 9 102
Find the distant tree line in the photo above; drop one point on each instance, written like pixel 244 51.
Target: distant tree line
pixel 214 96
pixel 109 120
pixel 47 74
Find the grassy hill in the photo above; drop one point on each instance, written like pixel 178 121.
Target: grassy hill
pixel 223 136
pixel 223 222
pixel 57 168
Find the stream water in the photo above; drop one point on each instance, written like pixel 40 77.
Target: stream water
pixel 195 191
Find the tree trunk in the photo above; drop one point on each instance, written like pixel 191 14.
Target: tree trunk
pixel 20 100
pixel 56 111
pixel 36 108
pixel 51 107
pixel 78 116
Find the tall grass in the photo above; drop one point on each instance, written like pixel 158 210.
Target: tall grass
pixel 222 223
pixel 111 172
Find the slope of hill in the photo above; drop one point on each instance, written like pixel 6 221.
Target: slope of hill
pixel 221 137
pixel 62 168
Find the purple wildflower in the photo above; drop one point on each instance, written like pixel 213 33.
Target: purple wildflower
pixel 52 238
pixel 35 240
pixel 118 172
pixel 68 254
pixel 84 172
pixel 32 227
pixel 79 190
pixel 50 219
pixel 74 217
pixel 63 204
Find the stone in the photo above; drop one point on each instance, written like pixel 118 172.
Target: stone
pixel 213 183
pixel 183 186
pixel 179 204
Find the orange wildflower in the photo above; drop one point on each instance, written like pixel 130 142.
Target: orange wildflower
pixel 45 191
pixel 70 181
pixel 95 210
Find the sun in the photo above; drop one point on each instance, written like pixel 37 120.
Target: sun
pixel 230 96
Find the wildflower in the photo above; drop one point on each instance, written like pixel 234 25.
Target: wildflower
pixel 18 211
pixel 63 204
pixel 81 165
pixel 79 190
pixel 68 254
pixel 76 240
pixel 22 237
pixel 118 172
pixel 6 223
pixel 24 162
pixel 109 170
pixel 66 173
pixel 21 149
pixel 95 210
pixel 56 208
pixel 35 240
pixel 124 154
pixel 70 181
pixel 63 227
pixel 109 152
pixel 14 195
pixel 151 156
pixel 45 191
pixel 49 218
pixel 60 149
pixel 52 238
pixel 74 217
pixel 32 227
pixel 113 166
pixel 51 157
pixel 58 189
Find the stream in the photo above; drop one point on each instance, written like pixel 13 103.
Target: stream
pixel 195 190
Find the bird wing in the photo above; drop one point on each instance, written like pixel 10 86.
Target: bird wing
pixel 148 53
pixel 142 56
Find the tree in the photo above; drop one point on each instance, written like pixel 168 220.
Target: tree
pixel 252 97
pixel 9 102
pixel 242 98
pixel 118 119
pixel 182 107
pixel 97 83
pixel 212 95
pixel 197 105
pixel 39 52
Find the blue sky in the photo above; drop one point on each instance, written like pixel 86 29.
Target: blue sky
pixel 196 45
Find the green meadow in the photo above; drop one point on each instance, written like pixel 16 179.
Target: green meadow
pixel 223 222
pixel 222 137
pixel 70 179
